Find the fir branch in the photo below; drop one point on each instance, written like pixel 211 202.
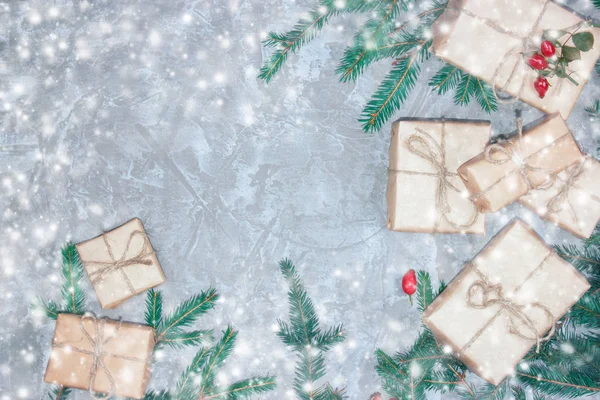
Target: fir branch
pixel 552 382
pixel 59 393
pixel 245 388
pixel 186 381
pixel 326 392
pixel 392 92
pixel 485 96
pixel 187 313
pixel 179 340
pixel 49 308
pixel 161 395
pixel 447 78
pixel 465 89
pixel 594 110
pixel 424 291
pixel 153 313
pixel 215 360
pixel 72 271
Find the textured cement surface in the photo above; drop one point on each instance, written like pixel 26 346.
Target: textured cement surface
pixel 110 110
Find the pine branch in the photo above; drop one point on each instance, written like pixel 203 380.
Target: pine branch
pixel 245 389
pixel 153 313
pixel 424 291
pixel 594 110
pixel 485 96
pixel 59 393
pixel 72 271
pixel 49 308
pixel 162 395
pixel 552 382
pixel 326 392
pixel 392 92
pixel 187 313
pixel 594 240
pixel 179 340
pixel 185 385
pixel 215 360
pixel 465 89
pixel 447 78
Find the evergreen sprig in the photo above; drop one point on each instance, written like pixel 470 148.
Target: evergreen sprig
pixel 59 393
pixel 381 38
pixel 568 365
pixel 305 336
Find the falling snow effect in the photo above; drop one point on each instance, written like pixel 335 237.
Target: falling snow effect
pixel 111 110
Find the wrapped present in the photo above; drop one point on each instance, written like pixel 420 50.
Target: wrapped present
pixel 424 192
pixel 573 201
pixel 491 39
pixel 504 302
pixel 120 263
pixel 100 355
pixel 509 169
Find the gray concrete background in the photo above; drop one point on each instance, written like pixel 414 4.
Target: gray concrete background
pixel 110 110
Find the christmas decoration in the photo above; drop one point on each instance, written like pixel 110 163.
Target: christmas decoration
pixel 304 335
pixel 566 365
pixel 382 37
pixel 121 263
pixel 509 169
pixel 103 356
pixel 506 52
pixel 506 300
pixel 424 193
pixel 409 284
pixel 541 85
pixel 548 49
pixel 573 201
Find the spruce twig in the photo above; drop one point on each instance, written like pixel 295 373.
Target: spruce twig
pixel 72 271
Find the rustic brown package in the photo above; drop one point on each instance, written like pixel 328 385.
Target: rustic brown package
pixel 120 263
pixel 507 170
pixel 485 39
pixel 101 355
pixel 424 192
pixel 573 201
pixel 504 302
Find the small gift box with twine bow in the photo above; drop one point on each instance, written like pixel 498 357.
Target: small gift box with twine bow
pixel 492 40
pixel 424 192
pixel 573 201
pixel 120 263
pixel 107 357
pixel 504 302
pixel 511 168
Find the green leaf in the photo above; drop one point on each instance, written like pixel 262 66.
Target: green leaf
pixel 153 313
pixel 570 53
pixel 584 41
pixel 72 271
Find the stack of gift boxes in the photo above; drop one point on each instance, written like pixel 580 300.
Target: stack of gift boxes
pixel 445 176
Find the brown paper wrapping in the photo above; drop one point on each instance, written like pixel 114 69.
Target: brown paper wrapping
pixel 479 49
pixel 113 288
pixel 528 272
pixel 579 211
pixel 72 368
pixel 411 197
pixel 549 146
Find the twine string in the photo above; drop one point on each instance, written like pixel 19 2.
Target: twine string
pixel 98 341
pixel 422 144
pixel 109 267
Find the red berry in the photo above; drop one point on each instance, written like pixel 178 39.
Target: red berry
pixel 537 61
pixel 541 85
pixel 409 283
pixel 548 49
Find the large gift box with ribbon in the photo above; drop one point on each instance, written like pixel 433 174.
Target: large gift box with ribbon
pixel 504 302
pixel 120 263
pixel 492 40
pixel 573 201
pixel 425 193
pixel 507 170
pixel 107 357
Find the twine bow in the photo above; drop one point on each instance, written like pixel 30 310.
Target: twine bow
pixel 556 203
pixel 423 145
pixel 526 46
pixel 108 267
pixel 98 341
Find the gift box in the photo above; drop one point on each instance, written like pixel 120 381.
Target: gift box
pixel 120 263
pixel 573 201
pixel 424 192
pixel 486 38
pixel 504 302
pixel 101 355
pixel 508 169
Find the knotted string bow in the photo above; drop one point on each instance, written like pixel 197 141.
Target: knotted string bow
pixel 424 145
pixel 108 267
pixel 518 320
pixel 98 341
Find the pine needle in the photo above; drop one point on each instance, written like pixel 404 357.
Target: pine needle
pixel 72 272
pixel 447 78
pixel 153 315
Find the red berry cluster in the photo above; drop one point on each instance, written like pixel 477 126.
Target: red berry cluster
pixel 539 62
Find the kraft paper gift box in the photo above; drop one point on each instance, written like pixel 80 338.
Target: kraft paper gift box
pixel 101 355
pixel 508 296
pixel 573 201
pixel 120 263
pixel 485 39
pixel 424 192
pixel 507 170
